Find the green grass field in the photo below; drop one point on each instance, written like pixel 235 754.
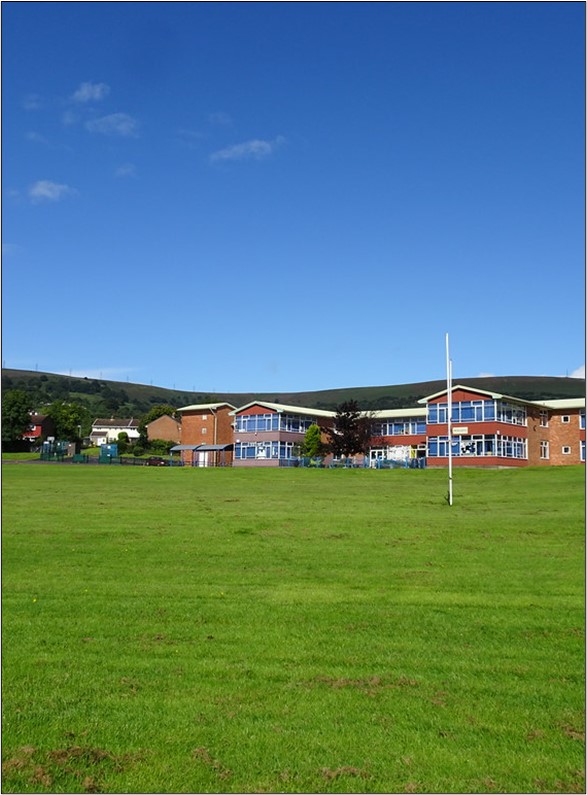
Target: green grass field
pixel 192 630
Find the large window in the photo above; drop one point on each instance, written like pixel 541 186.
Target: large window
pixel 399 427
pixel 544 451
pixel 260 451
pixel 258 423
pixel 477 445
pixel 477 411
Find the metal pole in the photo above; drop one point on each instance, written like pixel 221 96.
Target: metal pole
pixel 449 418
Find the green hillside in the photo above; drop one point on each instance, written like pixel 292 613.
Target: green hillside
pixel 104 397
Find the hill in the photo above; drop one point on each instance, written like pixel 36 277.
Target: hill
pixel 103 397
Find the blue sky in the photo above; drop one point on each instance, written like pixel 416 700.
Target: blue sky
pixel 293 196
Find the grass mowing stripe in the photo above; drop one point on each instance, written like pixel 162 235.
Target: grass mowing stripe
pixel 328 631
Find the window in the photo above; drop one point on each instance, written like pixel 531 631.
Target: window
pixel 478 445
pixel 582 419
pixel 583 450
pixel 566 450
pixel 544 451
pixel 204 430
pixel 565 419
pixel 543 418
pixel 204 416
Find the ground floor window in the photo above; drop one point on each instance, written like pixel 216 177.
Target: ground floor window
pixel 544 451
pixel 478 445
pixel 259 451
pixel 582 449
pixel 397 452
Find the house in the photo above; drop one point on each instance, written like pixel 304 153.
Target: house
pixel 41 426
pixel 206 434
pixel 269 434
pixel 165 427
pixel 105 431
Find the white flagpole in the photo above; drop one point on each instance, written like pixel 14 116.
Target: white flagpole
pixel 449 417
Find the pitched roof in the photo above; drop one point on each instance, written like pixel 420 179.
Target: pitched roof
pixel 113 422
pixel 475 390
pixel 280 408
pixel 205 407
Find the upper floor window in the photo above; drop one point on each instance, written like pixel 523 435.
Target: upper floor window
pixel 255 423
pixel 398 427
pixel 478 411
pixel 565 419
pixel 582 419
pixel 543 418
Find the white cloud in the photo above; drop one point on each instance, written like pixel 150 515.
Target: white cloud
pixel 255 149
pixel 486 375
pixel 44 190
pixel 10 249
pixel 32 102
pixel 126 170
pixel 36 138
pixel 220 118
pixel 91 91
pixel 578 373
pixel 69 117
pixel 114 124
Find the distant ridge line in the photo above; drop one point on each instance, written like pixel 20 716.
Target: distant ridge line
pixel 368 397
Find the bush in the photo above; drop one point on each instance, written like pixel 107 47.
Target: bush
pixel 138 450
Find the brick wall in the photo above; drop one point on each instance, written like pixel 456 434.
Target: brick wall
pixel 564 435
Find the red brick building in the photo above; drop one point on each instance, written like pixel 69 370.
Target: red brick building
pixel 165 427
pixel 206 434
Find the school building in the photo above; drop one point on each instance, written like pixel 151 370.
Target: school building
pixel 488 429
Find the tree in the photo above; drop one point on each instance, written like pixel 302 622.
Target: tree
pixel 71 420
pixel 123 442
pixel 313 446
pixel 16 414
pixel 351 432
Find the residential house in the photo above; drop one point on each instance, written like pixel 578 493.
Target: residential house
pixel 105 431
pixel 41 426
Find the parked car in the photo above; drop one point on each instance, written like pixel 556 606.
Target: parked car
pixel 155 461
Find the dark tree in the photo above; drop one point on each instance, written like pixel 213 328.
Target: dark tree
pixel 16 414
pixel 351 432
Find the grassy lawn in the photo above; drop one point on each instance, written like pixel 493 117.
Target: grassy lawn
pixel 193 630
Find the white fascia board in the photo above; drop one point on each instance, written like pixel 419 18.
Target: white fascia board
pixel 205 406
pixel 280 408
pixel 386 414
pixel 561 403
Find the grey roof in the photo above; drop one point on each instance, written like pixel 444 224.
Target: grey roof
pixel 114 422
pixel 202 447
